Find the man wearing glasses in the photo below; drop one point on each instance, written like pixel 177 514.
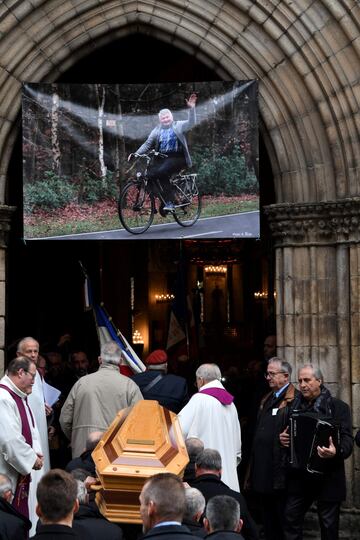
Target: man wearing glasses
pixel 268 459
pixel 19 438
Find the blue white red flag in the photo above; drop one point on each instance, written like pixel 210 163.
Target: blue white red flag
pixel 181 340
pixel 107 331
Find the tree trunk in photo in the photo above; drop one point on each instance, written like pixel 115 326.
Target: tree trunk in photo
pixel 120 140
pixel 100 95
pixel 55 146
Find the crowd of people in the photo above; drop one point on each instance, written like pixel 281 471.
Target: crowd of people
pixel 41 502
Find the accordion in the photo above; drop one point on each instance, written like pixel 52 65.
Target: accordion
pixel 307 432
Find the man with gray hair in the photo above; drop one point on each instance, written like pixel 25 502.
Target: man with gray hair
pixel 169 138
pixel 194 447
pixel 223 519
pixel 208 469
pixel 194 510
pixel 268 461
pixel 85 460
pixel 89 522
pixel 162 508
pixel 95 399
pixel 211 416
pixel 327 489
pixel 13 525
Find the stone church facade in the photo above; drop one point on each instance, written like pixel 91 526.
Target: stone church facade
pixel 306 56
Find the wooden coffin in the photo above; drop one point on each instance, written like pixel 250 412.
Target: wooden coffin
pixel 143 440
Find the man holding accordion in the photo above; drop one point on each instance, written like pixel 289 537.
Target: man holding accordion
pixel 319 439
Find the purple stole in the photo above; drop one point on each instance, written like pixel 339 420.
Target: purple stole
pixel 20 501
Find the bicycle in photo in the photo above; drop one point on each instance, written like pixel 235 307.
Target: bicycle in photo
pixel 141 198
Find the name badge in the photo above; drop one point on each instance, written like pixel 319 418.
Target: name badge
pixel 274 411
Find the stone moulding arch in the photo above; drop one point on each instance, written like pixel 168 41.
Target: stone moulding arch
pixel 305 55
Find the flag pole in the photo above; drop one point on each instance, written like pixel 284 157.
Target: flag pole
pixel 127 346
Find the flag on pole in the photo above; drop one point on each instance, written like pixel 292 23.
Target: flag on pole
pixel 181 341
pixel 177 324
pixel 107 330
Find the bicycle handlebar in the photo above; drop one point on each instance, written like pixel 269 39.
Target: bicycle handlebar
pixel 150 154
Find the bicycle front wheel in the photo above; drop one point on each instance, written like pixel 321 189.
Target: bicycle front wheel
pixel 136 208
pixel 188 214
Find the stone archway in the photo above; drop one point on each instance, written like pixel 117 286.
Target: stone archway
pixel 306 55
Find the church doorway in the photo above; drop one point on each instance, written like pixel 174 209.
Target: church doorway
pixel 230 283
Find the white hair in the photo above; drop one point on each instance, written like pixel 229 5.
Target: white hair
pixel 164 111
pixel 111 353
pixel 208 372
pixel 195 503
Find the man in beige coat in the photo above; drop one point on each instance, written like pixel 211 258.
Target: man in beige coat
pixel 95 399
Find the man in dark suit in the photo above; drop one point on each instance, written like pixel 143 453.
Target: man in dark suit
pixel 208 481
pixel 13 525
pixel 155 383
pixel 57 503
pixel 194 511
pixel 268 462
pixel 327 489
pixel 223 519
pixel 85 460
pixel 89 523
pixel 162 507
pixel 194 447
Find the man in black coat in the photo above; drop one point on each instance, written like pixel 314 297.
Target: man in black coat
pixel 89 523
pixel 208 474
pixel 13 525
pixel 268 462
pixel 327 489
pixel 223 519
pixel 169 390
pixel 162 507
pixel 194 511
pixel 194 447
pixel 85 460
pixel 57 502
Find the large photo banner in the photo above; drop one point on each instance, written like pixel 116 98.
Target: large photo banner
pixel 125 161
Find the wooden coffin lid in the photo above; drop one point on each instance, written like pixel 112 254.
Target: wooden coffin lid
pixel 141 441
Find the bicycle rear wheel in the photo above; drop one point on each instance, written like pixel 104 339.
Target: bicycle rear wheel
pixel 136 208
pixel 189 209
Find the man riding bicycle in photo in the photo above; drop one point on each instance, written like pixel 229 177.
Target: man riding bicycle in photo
pixel 169 138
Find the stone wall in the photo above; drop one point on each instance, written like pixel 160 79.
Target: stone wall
pixel 318 295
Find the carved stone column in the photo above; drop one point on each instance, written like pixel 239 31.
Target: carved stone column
pixel 5 217
pixel 318 297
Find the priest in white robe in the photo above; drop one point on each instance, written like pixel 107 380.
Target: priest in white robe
pixel 20 448
pixel 211 416
pixel 29 347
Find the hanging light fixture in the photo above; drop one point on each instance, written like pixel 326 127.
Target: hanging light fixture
pixel 137 338
pixel 212 269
